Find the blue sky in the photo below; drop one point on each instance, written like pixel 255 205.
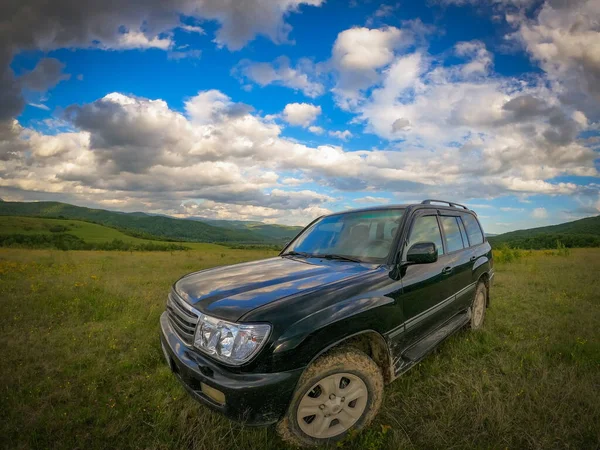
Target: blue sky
pixel 284 110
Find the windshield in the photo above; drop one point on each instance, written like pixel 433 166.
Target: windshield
pixel 365 236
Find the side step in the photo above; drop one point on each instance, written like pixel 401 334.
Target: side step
pixel 425 345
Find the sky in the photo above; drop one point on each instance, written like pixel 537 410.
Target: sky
pixel 284 110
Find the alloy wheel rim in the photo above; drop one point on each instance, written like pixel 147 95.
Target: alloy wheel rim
pixel 332 405
pixel 478 309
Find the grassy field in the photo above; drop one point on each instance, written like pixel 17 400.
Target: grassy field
pixel 82 365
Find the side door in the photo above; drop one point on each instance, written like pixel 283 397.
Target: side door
pixel 425 297
pixel 458 257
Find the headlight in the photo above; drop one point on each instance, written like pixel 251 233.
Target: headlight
pixel 232 343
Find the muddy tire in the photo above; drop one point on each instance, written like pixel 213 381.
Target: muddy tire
pixel 479 307
pixel 339 392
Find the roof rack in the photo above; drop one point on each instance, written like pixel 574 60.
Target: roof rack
pixel 454 205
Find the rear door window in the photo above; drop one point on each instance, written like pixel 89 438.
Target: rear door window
pixel 473 229
pixel 463 233
pixel 454 240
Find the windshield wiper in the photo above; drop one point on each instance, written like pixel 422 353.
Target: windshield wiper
pixel 294 253
pixel 338 257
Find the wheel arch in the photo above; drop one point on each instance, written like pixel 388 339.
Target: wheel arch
pixel 485 279
pixel 372 343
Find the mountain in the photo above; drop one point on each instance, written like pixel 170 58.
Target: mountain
pixel 156 226
pixel 579 233
pixel 272 231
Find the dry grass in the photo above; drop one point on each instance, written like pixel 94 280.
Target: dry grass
pixel 82 366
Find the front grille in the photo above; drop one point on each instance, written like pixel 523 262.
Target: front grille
pixel 182 318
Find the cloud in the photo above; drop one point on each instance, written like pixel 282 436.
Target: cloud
pixel 301 78
pixel 539 213
pixel 134 39
pixel 509 209
pixel 400 124
pixel 186 54
pixel 358 53
pixel 514 135
pixel 564 38
pixel 588 206
pixel 480 59
pixel 47 73
pixel 497 3
pixel 380 13
pixel 39 106
pixel 343 135
pixel 42 25
pixel 81 24
pixel 240 21
pixel 142 154
pixel 192 29
pixel 316 130
pixel 214 210
pixel 370 199
pixel 291 181
pixel 301 114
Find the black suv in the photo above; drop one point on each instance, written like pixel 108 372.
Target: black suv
pixel 309 338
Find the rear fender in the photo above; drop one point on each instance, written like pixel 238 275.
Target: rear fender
pixel 483 261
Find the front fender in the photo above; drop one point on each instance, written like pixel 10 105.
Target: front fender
pixel 313 334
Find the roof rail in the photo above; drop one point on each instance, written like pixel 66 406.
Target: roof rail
pixel 454 205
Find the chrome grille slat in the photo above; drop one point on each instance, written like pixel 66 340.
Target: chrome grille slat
pixel 181 318
pixel 185 337
pixel 182 315
pixel 189 328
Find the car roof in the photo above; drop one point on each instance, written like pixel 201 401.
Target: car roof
pixel 404 206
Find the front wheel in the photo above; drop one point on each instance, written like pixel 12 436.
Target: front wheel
pixel 339 392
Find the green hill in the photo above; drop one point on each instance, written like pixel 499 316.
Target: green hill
pixel 579 233
pixel 37 232
pixel 154 226
pixel 269 231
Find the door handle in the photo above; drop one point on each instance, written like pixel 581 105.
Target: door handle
pixel 473 258
pixel 447 270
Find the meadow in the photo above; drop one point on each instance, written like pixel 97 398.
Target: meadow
pixel 82 365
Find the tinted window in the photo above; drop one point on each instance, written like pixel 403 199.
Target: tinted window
pixel 453 238
pixel 473 229
pixel 389 230
pixel 463 233
pixel 360 235
pixel 426 229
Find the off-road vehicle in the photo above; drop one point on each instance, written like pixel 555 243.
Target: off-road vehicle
pixel 309 338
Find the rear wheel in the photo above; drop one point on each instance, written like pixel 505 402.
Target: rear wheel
pixel 339 392
pixel 479 307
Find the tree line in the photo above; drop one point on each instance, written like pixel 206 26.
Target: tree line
pixel 65 241
pixel 548 241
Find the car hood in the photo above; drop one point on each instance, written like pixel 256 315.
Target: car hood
pixel 230 292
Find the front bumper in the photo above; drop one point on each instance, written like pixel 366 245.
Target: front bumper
pixel 252 398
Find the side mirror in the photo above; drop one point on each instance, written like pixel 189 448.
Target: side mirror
pixel 422 253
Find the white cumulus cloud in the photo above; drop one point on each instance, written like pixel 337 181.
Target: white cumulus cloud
pixel 539 213
pixel 280 72
pixel 301 114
